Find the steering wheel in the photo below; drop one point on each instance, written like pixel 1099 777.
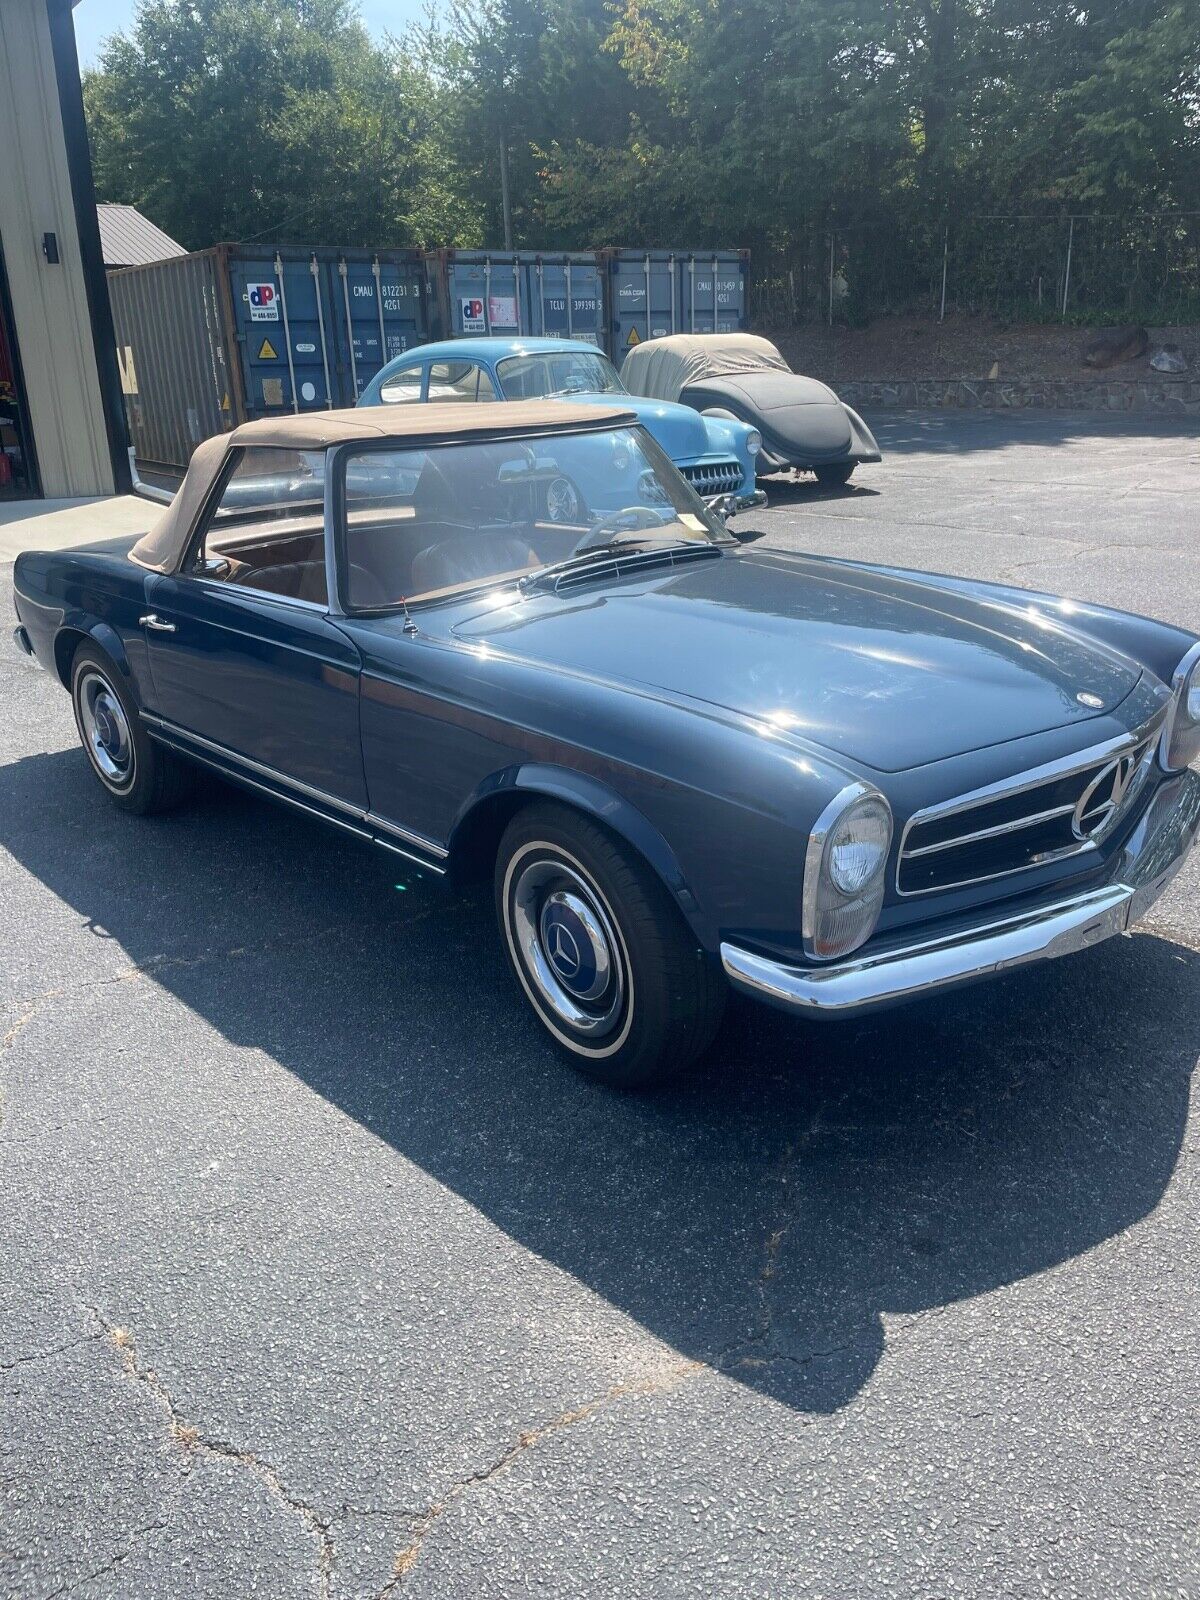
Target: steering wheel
pixel 630 519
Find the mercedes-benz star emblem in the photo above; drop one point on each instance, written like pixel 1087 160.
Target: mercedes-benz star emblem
pixel 563 951
pixel 1103 798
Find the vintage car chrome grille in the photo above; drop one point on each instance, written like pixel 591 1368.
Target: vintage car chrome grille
pixel 1041 816
pixel 714 477
pixel 635 563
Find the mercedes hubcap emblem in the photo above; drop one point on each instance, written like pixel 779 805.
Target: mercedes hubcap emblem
pixel 563 951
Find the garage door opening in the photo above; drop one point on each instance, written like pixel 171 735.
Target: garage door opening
pixel 18 476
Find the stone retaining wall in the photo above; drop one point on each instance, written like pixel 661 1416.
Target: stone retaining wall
pixel 1175 396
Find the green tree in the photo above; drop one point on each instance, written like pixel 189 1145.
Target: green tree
pixel 233 119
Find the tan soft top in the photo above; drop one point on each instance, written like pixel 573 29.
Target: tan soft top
pixel 663 368
pixel 162 548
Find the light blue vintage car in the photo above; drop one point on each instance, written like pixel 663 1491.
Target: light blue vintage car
pixel 715 454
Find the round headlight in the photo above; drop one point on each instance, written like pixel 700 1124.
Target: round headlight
pixel 844 871
pixel 858 846
pixel 754 441
pixel 1181 734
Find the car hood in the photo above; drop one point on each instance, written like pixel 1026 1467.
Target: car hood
pixel 887 671
pixel 680 431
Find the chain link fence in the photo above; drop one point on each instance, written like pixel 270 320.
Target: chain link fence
pixel 1086 269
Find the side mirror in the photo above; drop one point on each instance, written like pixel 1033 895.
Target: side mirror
pixel 212 567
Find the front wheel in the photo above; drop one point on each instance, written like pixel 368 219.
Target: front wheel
pixel 833 477
pixel 600 951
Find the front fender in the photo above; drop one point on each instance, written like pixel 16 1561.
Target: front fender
pixel 729 436
pixel 595 799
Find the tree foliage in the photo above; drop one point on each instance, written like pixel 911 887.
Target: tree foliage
pixel 645 121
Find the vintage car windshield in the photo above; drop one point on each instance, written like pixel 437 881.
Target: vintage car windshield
pixel 532 377
pixel 423 524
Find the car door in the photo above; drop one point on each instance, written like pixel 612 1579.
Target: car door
pixel 248 668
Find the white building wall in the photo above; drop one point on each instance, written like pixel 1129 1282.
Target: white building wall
pixel 50 307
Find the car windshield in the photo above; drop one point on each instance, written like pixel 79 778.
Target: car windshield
pixel 424 524
pixel 531 377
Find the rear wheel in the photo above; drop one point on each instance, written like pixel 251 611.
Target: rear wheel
pixel 833 477
pixel 135 773
pixel 600 951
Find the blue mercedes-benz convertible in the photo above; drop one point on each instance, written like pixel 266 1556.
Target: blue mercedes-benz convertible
pixel 686 760
pixel 717 455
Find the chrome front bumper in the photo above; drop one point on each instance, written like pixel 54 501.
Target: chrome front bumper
pixel 1150 859
pixel 22 641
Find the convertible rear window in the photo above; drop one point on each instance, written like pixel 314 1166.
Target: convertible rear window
pixel 426 523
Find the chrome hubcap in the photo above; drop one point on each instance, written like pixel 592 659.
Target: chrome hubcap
pixel 106 730
pixel 562 503
pixel 569 947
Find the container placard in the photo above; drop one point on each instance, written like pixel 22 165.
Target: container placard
pixel 264 302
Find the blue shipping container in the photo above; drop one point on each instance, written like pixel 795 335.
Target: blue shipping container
pixel 243 331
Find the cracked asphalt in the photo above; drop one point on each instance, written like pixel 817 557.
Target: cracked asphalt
pixel 320 1276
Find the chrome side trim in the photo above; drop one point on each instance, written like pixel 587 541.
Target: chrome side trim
pixel 1178 679
pixel 365 824
pixel 185 748
pixel 186 739
pixel 417 839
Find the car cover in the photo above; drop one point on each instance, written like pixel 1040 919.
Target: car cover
pixel 663 368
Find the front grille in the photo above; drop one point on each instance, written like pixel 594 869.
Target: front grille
pixel 714 477
pixel 1042 816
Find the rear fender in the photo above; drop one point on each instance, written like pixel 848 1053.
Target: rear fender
pixel 76 627
pixel 863 445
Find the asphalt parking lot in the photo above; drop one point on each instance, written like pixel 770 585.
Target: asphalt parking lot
pixel 320 1275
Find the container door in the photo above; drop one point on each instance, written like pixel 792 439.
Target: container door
pixel 644 292
pixel 379 312
pixel 713 292
pixel 565 299
pixel 283 309
pixel 486 296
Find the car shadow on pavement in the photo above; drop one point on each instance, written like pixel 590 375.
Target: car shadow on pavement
pixel 780 1213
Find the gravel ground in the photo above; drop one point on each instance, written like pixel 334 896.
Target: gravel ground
pixel 320 1276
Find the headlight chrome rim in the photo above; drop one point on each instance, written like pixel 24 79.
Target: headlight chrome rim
pixel 754 442
pixel 1184 682
pixel 853 797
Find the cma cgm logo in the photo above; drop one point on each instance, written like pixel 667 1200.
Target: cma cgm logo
pixel 262 295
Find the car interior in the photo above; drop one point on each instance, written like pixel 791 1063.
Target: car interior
pixel 414 528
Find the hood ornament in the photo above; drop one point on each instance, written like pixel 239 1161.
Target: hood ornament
pixel 1087 698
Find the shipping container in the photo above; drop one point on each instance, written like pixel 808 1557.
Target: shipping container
pixel 482 292
pixel 656 292
pixel 220 336
pixel 217 337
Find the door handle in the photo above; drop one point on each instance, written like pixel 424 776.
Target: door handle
pixel 156 623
